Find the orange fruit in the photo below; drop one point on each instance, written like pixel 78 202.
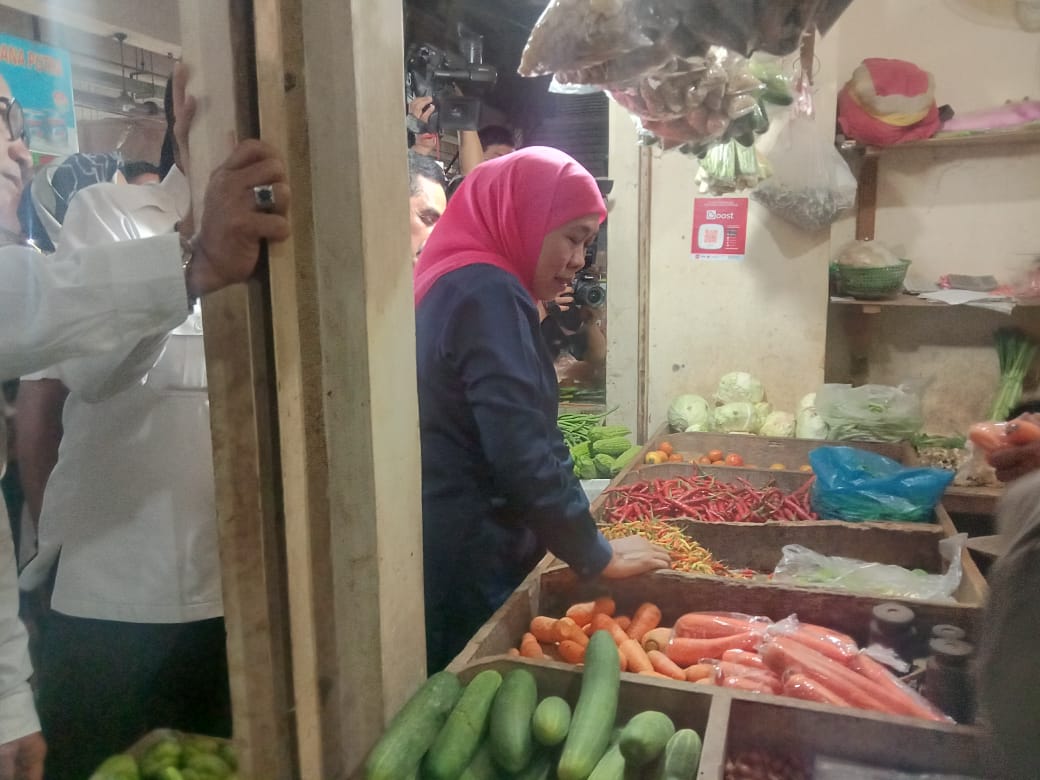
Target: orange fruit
pixel 666 448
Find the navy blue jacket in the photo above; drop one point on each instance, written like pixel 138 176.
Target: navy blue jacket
pixel 498 485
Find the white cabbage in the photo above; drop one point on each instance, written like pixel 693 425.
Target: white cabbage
pixel 735 417
pixel 778 424
pixel 739 386
pixel 689 413
pixel 808 402
pixel 809 425
pixel 762 410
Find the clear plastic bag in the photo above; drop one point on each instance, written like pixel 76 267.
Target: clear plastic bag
pixel 811 185
pixel 869 412
pixel 975 471
pixel 806 568
pixel 857 485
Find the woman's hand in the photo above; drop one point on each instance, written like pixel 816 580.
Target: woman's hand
pixel 1014 462
pixel 635 555
pixel 565 299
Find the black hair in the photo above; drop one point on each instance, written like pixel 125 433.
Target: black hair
pixel 166 157
pixel 496 134
pixel 454 185
pixel 132 170
pixel 422 166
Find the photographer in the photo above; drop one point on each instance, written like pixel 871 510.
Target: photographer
pixel 574 329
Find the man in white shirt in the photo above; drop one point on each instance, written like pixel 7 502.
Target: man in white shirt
pixel 99 299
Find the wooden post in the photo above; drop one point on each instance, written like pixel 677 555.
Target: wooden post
pixel 218 48
pixel 345 357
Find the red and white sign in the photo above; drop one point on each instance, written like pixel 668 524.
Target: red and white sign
pixel 719 228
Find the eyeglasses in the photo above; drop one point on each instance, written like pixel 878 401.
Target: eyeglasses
pixel 13 118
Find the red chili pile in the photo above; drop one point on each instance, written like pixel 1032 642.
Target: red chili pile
pixel 706 498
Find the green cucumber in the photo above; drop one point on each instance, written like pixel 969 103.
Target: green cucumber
pixel 401 748
pixel 643 738
pixel 682 756
pixel 510 731
pixel 594 715
pixel 611 766
pixel 482 766
pixel 540 768
pixel 551 720
pixel 462 734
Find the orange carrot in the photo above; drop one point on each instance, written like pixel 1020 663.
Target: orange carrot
pixel 749 684
pixel 847 684
pixel 513 652
pixel 705 681
pixel 701 625
pixel 530 647
pixel 824 644
pixel 582 613
pixel 744 657
pixel 652 673
pixel 565 628
pixel 571 652
pixel 589 629
pixel 657 639
pixel 622 660
pixel 665 665
pixel 872 670
pixel 624 621
pixel 730 669
pixel 603 622
pixel 646 618
pixel 638 660
pixel 698 672
pixel 798 686
pixel 686 651
pixel 829 633
pixel 542 627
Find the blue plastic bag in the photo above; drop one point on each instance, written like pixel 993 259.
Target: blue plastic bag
pixel 854 484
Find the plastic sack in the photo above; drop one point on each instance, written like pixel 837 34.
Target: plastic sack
pixel 975 471
pixel 857 485
pixel 811 185
pixel 805 568
pixel 828 642
pixel 869 412
pixel 826 768
pixel 713 625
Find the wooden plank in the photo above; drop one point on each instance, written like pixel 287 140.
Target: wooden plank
pixel 298 362
pixel 217 43
pixel 645 217
pixel 866 198
pixel 365 549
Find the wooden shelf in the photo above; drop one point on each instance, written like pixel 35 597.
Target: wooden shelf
pixel 991 138
pixel 972 500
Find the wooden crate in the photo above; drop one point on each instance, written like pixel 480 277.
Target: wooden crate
pixel 550 589
pixel 759 546
pixel 728 719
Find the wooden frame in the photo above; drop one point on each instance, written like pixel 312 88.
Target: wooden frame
pixel 315 430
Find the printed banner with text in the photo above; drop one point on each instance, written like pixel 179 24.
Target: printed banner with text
pixel 719 228
pixel 40 78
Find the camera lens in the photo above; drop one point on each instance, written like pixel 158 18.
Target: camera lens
pixel 595 295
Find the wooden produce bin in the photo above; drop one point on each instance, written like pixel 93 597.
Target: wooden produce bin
pixel 549 590
pixel 728 719
pixel 759 546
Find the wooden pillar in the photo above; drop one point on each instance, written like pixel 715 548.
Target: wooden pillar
pixel 218 48
pixel 331 96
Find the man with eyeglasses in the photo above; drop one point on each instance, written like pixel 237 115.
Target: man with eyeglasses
pixel 106 299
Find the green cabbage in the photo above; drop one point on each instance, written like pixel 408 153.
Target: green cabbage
pixel 808 402
pixel 762 410
pixel 739 386
pixel 689 413
pixel 735 417
pixel 778 424
pixel 809 425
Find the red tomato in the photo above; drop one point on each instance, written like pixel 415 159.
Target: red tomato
pixel 988 435
pixel 734 460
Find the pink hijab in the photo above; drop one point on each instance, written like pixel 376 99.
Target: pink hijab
pixel 502 213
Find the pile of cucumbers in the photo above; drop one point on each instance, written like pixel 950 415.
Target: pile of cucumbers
pixel 496 728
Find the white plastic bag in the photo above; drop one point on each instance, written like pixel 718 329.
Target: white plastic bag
pixel 869 412
pixel 806 568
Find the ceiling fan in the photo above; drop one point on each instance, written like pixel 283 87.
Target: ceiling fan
pixel 127 101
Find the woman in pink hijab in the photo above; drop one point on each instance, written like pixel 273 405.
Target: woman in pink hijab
pixel 498 482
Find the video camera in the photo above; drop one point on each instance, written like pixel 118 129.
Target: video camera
pixel 433 72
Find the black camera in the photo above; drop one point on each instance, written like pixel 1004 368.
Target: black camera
pixel 588 291
pixel 433 72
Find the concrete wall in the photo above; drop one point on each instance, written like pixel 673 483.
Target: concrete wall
pixel 957 211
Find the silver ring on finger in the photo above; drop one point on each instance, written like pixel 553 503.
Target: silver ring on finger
pixel 263 196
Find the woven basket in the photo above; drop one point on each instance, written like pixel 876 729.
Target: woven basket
pixel 872 283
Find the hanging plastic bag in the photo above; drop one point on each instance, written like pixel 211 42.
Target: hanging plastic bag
pixel 808 569
pixel 811 185
pixel 858 485
pixel 869 412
